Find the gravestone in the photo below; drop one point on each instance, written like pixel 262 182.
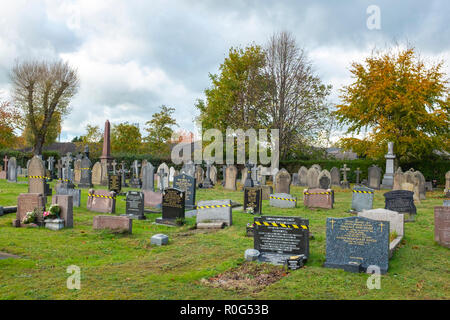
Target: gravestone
pixel 65 202
pixel 266 191
pixel 85 174
pixel 442 225
pixel 77 171
pixel 317 167
pixel 123 172
pixel 335 177
pixel 402 202
pixel 419 179
pixel 248 182
pixel 358 173
pixel 143 164
pixel 188 168
pixel 62 190
pixel 355 243
pixel 214 211
pixel 4 173
pixel 282 200
pixel 213 175
pixel 374 177
pixel 253 199
pixel 135 205
pixel 303 176
pixel 362 198
pixel 172 206
pixel 135 181
pixel 295 179
pixel 199 173
pixel 282 182
pixel 97 174
pixel 36 176
pixel 324 179
pixel 207 183
pixel 152 199
pixel 279 238
pixel 12 170
pixel 398 179
pixel 27 202
pixel 171 174
pixel 410 183
pixel 388 178
pixel 163 166
pixel 148 177
pixel 114 183
pixel 312 178
pixel 187 184
pixel 344 183
pixel 101 201
pixel 318 198
pixel 231 175
pixel 113 223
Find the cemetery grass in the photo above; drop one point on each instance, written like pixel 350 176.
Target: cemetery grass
pixel 116 266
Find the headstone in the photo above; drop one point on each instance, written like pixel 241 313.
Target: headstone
pixel 215 211
pixel 207 183
pixel 4 173
pixel 188 168
pixel 266 191
pixel 97 174
pixel 279 238
pixel 295 180
pixel 27 202
pixel 362 198
pixel 12 170
pixel 282 200
pixel 324 179
pixel 65 203
pixel 402 202
pixel 253 199
pixel 335 177
pixel 152 199
pixel 442 225
pixel 398 179
pixel 248 182
pixel 312 178
pixel 411 183
pixel 231 175
pixel 199 173
pixel 317 167
pixel 62 189
pixel 355 244
pixel 77 171
pixel 171 174
pixel 318 198
pixel 303 176
pixel 135 181
pixel 143 164
pixel 36 177
pixel 344 183
pixel 172 206
pixel 283 182
pixel 374 177
pixel 187 184
pixel 135 205
pixel 123 172
pixel 85 174
pixel 113 223
pixel 101 201
pixel 213 174
pixel 114 183
pixel 388 178
pixel 419 179
pixel 148 175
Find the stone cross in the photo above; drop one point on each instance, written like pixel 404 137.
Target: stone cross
pixel 344 171
pixel 358 172
pixel 136 166
pixel 114 164
pixel 59 166
pixel 5 160
pixel 123 171
pixel 161 175
pixel 50 162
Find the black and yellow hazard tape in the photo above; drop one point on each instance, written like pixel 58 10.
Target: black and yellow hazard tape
pixel 308 193
pixel 360 191
pixel 38 177
pixel 286 199
pixel 65 180
pixel 215 206
pixel 280 225
pixel 100 196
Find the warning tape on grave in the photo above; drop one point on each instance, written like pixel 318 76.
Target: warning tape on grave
pixel 286 199
pixel 215 206
pixel 360 191
pixel 100 196
pixel 280 225
pixel 308 193
pixel 65 180
pixel 38 177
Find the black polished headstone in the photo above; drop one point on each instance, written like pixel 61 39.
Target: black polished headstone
pixel 172 206
pixel 114 183
pixel 401 201
pixel 253 199
pixel 135 205
pixel 187 184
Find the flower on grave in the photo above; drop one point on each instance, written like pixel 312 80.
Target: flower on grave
pixel 30 217
pixel 250 225
pixel 250 210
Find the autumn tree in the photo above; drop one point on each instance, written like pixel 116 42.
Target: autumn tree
pixel 8 120
pixel 125 138
pixel 397 97
pixel 159 131
pixel 93 134
pixel 42 91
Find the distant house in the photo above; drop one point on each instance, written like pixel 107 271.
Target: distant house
pixel 341 155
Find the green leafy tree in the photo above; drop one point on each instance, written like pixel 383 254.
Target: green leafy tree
pixel 125 138
pixel 398 98
pixel 159 131
pixel 93 134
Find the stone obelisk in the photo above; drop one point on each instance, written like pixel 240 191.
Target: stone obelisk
pixel 388 178
pixel 106 158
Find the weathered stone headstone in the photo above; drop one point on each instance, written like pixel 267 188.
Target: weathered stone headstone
pixel 335 177
pixel 12 170
pixel 62 189
pixel 188 168
pixel 282 200
pixel 77 171
pixel 172 206
pixel 199 174
pixel 295 179
pixel 114 183
pixel 344 183
pixel 148 175
pixel 207 183
pixel 362 198
pixel 279 238
pixel 187 184
pixel 303 176
pixel 97 174
pixel 231 175
pixel 355 243
pixel 36 176
pixel 135 205
pixel 402 202
pixel 266 191
pixel 213 174
pixel 253 199
pixel 85 174
pixel 135 181
pixel 215 211
pixel 171 174
pixel 101 201
pixel 442 225
pixel 374 177
pixel 318 198
pixel 312 178
pixel 113 223
pixel 65 203
pixel 317 167
pixel 282 182
pixel 419 179
pixel 152 199
pixel 388 178
pixel 324 179
pixel 27 202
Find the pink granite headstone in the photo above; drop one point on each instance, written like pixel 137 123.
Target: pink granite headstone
pixel 113 223
pixel 442 225
pixel 27 202
pixel 318 198
pixel 101 201
pixel 65 202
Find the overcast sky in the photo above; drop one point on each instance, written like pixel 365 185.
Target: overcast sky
pixel 133 56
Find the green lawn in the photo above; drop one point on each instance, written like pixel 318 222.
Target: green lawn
pixel 128 267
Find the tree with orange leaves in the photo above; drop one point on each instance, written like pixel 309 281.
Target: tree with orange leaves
pixel 399 98
pixel 8 120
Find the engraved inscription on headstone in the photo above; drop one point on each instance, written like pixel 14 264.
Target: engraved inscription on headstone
pixel 253 199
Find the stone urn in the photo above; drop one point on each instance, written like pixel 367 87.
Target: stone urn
pixel 54 224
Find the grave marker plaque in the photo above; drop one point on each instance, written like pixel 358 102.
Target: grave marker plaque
pixel 280 238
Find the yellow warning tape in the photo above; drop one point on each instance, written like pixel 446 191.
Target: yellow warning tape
pixel 282 225
pixel 287 199
pixel 215 206
pixel 359 191
pixel 85 168
pixel 66 180
pixel 100 196
pixel 38 177
pixel 316 193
